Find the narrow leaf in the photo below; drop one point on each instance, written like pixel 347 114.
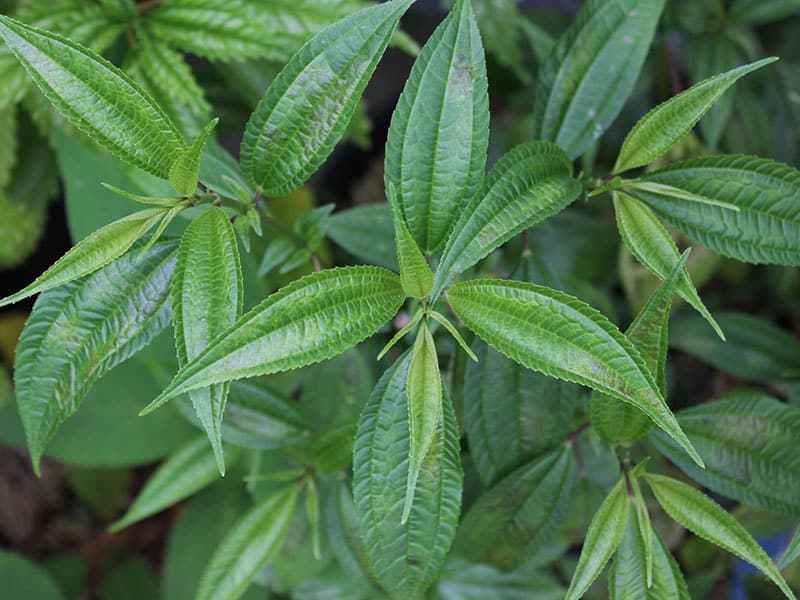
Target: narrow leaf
pixel 415 274
pixel 762 11
pixel 184 172
pixel 792 551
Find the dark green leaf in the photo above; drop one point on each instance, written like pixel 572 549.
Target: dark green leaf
pixel 762 11
pixel 461 580
pixel 24 579
pixel 367 233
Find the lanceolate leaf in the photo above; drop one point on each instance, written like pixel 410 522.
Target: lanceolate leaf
pixel 311 319
pixel 305 111
pixel 80 331
pixel 560 336
pixel 765 229
pixel 96 97
pixel 518 516
pixel 92 253
pixel 436 149
pixel 415 274
pixel 792 551
pixel 190 469
pixel 712 54
pixel 185 170
pixel 251 542
pixel 705 518
pixel 529 184
pixel 405 558
pixel 762 11
pixel 206 300
pixel 666 124
pixel 651 244
pixel 591 71
pixel 749 444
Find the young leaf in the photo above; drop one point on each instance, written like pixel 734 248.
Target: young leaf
pixel 436 149
pixel 602 539
pixel 591 71
pixel 80 331
pixel 250 543
pixel 667 123
pixel 312 514
pixel 309 320
pixel 529 184
pixel 792 551
pixel 766 229
pixel 415 274
pixel 96 97
pixel 189 469
pixel 184 172
pixel 405 558
pixel 206 300
pixel 560 336
pixel 707 519
pixel 517 517
pixel 749 443
pixel 305 111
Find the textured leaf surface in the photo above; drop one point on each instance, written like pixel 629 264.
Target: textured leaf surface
pixel 518 516
pixel 589 74
pixel 415 274
pixel 305 111
pixel 184 172
pixel 705 518
pixel 766 229
pixel 667 123
pixel 436 149
pixel 96 97
pixel 309 320
pixel 749 444
pixel 405 558
pixel 560 336
pixel 80 331
pixel 529 184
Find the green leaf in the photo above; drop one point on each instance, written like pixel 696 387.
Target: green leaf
pixel 589 74
pixel 92 253
pixel 436 149
pixel 188 470
pixel 560 336
pixel 766 229
pixel 80 331
pixel 461 580
pixel 415 274
pixel 346 544
pixel 602 539
pixel 307 108
pixel 667 123
pixel 529 184
pixel 8 144
pixel 405 558
pixel 184 172
pixel 367 233
pixel 249 544
pixel 706 519
pixel 206 300
pixel 518 516
pixel 755 12
pixel 25 579
pixel 792 551
pixel 309 320
pixel 96 97
pixel 749 443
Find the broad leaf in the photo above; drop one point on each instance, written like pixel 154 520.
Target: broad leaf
pixel 185 171
pixel 96 97
pixel 436 149
pixel 707 519
pixel 765 229
pixel 206 300
pixel 560 336
pixel 415 274
pixel 309 320
pixel 367 233
pixel 80 331
pixel 305 111
pixel 518 516
pixel 667 123
pixel 762 11
pixel 405 558
pixel 749 444
pixel 529 184
pixel 589 74
pixel 188 470
pixel 249 544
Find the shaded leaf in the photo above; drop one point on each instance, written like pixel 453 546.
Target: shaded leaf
pixel 461 580
pixel 792 551
pixel 762 11
pixel 367 233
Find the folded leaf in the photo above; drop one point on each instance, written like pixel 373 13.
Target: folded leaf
pixel 415 274
pixel 184 172
pixel 589 74
pixel 309 320
pixel 707 519
pixel 96 97
pixel 305 111
pixel 80 331
pixel 560 336
pixel 436 149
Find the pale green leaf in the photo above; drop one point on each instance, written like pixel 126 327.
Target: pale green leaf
pixel 305 111
pixel 589 74
pixel 367 233
pixel 792 551
pixel 560 336
pixel 436 149
pixel 461 580
pixel 707 519
pixel 184 172
pixel 756 12
pixel 415 274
